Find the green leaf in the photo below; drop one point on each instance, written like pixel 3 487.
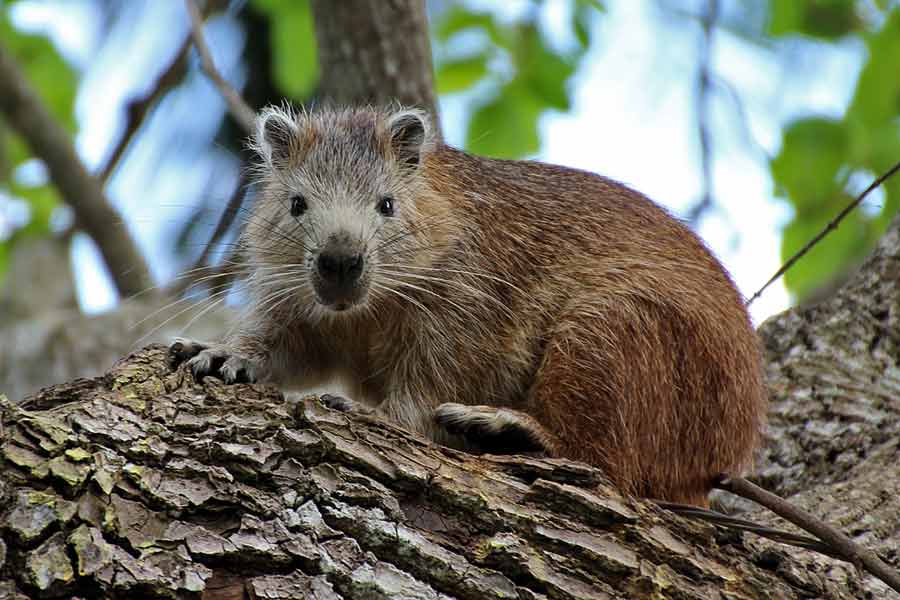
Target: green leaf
pixel 45 69
pixel 56 84
pixel 876 101
pixel 826 19
pixel 295 62
pixel 581 22
pixel 596 5
pixel 543 71
pixel 505 127
pixel 457 75
pixel 4 260
pixel 807 166
pixel 458 19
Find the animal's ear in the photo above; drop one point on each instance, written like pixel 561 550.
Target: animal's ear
pixel 411 134
pixel 276 132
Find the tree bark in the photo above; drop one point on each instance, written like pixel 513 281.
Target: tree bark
pixel 145 483
pixel 375 51
pixel 28 116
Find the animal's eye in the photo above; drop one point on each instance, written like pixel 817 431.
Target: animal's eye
pixel 386 206
pixel 298 205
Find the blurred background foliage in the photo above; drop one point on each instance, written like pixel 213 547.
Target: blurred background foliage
pixel 57 83
pixel 511 71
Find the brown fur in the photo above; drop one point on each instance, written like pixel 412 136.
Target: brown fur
pixel 548 291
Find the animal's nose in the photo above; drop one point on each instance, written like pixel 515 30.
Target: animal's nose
pixel 340 269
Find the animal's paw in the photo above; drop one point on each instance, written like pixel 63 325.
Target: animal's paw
pixel 181 349
pixel 494 430
pixel 342 404
pixel 214 359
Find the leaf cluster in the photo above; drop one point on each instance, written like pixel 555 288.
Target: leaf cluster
pixel 518 72
pixel 825 161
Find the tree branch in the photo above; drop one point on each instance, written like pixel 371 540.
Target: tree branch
pixel 28 115
pixel 138 109
pixel 839 543
pixel 309 502
pixel 238 108
pixel 225 275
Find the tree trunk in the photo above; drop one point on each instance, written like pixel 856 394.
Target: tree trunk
pixel 375 51
pixel 145 483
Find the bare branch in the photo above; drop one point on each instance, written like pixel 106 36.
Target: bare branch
pixel 840 543
pixel 727 521
pixel 704 87
pixel 138 109
pixel 28 115
pixel 234 206
pixel 832 225
pixel 238 108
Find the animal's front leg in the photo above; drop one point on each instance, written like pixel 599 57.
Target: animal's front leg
pixel 238 361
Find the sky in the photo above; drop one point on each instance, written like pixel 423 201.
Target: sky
pixel 632 120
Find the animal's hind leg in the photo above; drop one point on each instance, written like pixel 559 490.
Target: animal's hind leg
pixel 495 430
pixel 612 389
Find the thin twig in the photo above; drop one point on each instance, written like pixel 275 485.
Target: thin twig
pixel 776 535
pixel 828 228
pixel 839 542
pixel 246 118
pixel 704 86
pixel 237 106
pixel 138 109
pixel 235 204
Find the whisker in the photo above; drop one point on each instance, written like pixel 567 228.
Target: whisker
pixel 213 298
pixel 454 285
pixel 406 297
pixel 426 291
pixel 168 306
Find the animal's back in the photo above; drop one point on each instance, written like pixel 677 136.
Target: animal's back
pixel 616 329
pixel 494 305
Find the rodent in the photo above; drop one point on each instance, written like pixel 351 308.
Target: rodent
pixel 491 305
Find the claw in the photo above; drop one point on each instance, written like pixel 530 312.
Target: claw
pixel 182 349
pixel 338 403
pixel 238 369
pixel 213 359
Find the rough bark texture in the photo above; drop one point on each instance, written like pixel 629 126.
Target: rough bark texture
pixel 834 426
pixel 144 483
pixel 375 51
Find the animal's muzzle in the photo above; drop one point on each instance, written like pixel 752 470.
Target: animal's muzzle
pixel 339 270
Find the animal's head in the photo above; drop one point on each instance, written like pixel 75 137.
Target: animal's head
pixel 339 217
